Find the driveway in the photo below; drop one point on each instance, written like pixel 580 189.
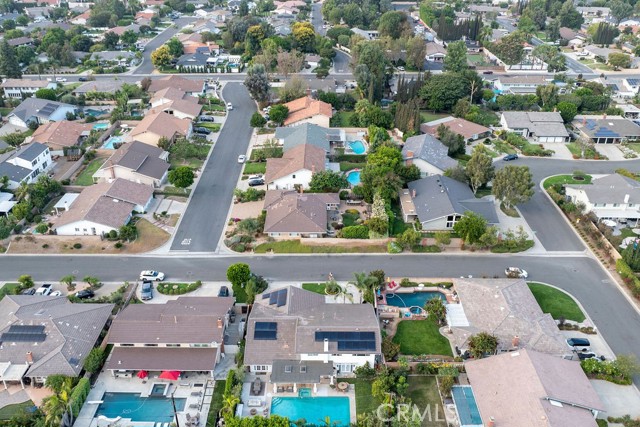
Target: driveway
pixel 610 150
pixel 618 400
pixel 560 150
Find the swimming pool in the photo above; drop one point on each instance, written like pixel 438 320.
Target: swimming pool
pixel 466 406
pixel 357 147
pixel 313 410
pixel 353 177
pixel 94 112
pixel 412 299
pixel 108 144
pixel 137 408
pixel 100 126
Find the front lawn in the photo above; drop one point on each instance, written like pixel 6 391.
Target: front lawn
pixel 428 116
pixel 565 179
pixel 318 288
pixel 255 168
pixel 296 247
pixel 9 289
pixel 635 146
pixel 397 226
pixel 213 127
pixel 86 176
pixel 502 147
pixel 7 412
pixel 423 392
pixel 365 402
pixel 417 337
pixel 556 303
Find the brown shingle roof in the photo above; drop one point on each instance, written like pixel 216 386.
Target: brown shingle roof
pixel 162 124
pixel 163 359
pixel 457 125
pixel 185 85
pixel 139 157
pixel 306 107
pixel 25 83
pixel 292 212
pixel 305 156
pixel 181 105
pixel 60 134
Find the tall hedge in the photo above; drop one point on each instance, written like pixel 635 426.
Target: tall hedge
pixel 79 395
pixel 628 277
pixel 355 232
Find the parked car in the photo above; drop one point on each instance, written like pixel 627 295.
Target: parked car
pixel 242 158
pixel 206 119
pixel 151 275
pixel 582 54
pixel 224 291
pixel 579 344
pixel 229 106
pixel 55 294
pixel 61 79
pixel 44 289
pixel 146 292
pixel 510 157
pixel 487 72
pixel 29 291
pixel 85 294
pixel 201 130
pixel 82 79
pixel 256 182
pixel 516 273
pixel 400 68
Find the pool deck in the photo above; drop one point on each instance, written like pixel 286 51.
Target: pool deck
pixel 184 388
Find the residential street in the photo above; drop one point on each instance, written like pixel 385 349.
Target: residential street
pixel 147 66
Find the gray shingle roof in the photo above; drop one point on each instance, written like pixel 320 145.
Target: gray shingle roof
pixel 30 152
pixel 292 212
pixel 610 127
pixel 611 189
pixel 429 149
pixel 106 86
pixel 438 196
pixel 15 173
pixel 539 123
pixel 308 133
pixel 141 158
pixel 300 372
pixel 35 107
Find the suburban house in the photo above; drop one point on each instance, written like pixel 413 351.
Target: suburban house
pixel 185 335
pixel 549 391
pixel 298 338
pixel 137 162
pixel 156 125
pixel 177 103
pixel 39 111
pixel 198 61
pixel 309 133
pixel 438 202
pixel 25 164
pixel 366 34
pixel 572 37
pixel 535 125
pixel 7 203
pixel 190 87
pixel 103 207
pixel 614 196
pixel 519 85
pixel 99 86
pixel 59 135
pixel 507 309
pixel 293 214
pixel 594 12
pixel 20 41
pixel 470 131
pixel 295 167
pixel 45 335
pixel 23 88
pixel 599 52
pixel 607 130
pixel 435 52
pixel 308 110
pixel 113 57
pixel 428 154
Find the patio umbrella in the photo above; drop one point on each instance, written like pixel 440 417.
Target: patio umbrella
pixel 143 374
pixel 170 375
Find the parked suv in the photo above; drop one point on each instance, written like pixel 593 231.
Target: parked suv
pixel 146 292
pixel 579 344
pixel 151 275
pixel 206 119
pixel 45 289
pixel 201 130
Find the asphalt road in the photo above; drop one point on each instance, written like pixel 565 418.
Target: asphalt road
pixel 147 66
pixel 203 223
pixel 341 62
pixel 316 18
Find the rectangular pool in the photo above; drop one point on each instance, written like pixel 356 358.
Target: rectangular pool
pixel 131 405
pixel 466 406
pixel 109 143
pixel 418 299
pixel 313 410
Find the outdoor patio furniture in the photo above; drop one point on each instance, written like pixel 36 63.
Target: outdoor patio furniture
pixel 257 386
pixel 280 389
pixel 290 389
pixel 254 402
pixel 196 393
pixel 193 406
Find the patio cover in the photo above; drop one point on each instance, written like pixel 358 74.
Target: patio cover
pixel 6 206
pixel 65 202
pixel 301 372
pixel 12 372
pixel 162 359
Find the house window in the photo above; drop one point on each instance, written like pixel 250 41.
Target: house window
pixel 199 345
pixel 77 229
pixel 345 367
pixel 151 345
pixel 303 369
pixel 615 205
pixel 126 345
pixel 288 369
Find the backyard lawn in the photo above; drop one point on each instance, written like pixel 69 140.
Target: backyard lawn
pixel 10 410
pixel 365 402
pixel 318 288
pixel 349 219
pixel 428 116
pixel 423 392
pixel 341 119
pixel 253 168
pixel 86 176
pixel 418 337
pixel 556 303
pixel 397 226
pixel 216 402
pixel 566 179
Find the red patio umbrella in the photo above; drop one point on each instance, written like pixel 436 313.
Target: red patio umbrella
pixel 143 374
pixel 170 375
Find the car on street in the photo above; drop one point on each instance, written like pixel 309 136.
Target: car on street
pixel 201 130
pixel 152 275
pixel 242 158
pixel 206 119
pixel 29 291
pixel 487 72
pixel 55 294
pixel 224 291
pixel 229 106
pixel 579 344
pixel 82 79
pixel 146 291
pixel 85 294
pixel 582 54
pixel 400 68
pixel 61 79
pixel 45 289
pixel 256 181
pixel 516 273
pixel 510 157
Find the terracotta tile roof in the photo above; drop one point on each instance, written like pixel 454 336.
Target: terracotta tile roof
pixel 60 134
pixel 162 124
pixel 185 85
pixel 292 212
pixel 190 47
pixel 306 107
pixel 305 156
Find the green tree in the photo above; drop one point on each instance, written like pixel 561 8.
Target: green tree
pixel 568 110
pixel 436 310
pixel 69 281
pixel 479 168
pixel 9 64
pixel 56 405
pixel 363 283
pixel 513 185
pixel 509 49
pixel 26 281
pixel 409 238
pixel 527 27
pixel 161 57
pixel 416 52
pixel 328 182
pixel 257 121
pixel 370 69
pixel 443 238
pixel 181 177
pixel 453 141
pixel 46 93
pixel 620 10
pixel 390 350
pixel 238 273
pixel 176 48
pixel 304 35
pixel 569 16
pixel 547 95
pixel 279 113
pixel 482 343
pixel 94 360
pixel 619 60
pixel 394 24
pixel 110 40
pixel 129 37
pixel 470 227
pixel 441 91
pixel 257 83
pixel 128 232
pixel 294 88
pixel 456 58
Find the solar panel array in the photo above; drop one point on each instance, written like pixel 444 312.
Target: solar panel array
pixel 24 333
pixel 634 82
pixel 278 297
pixel 48 109
pixel 265 331
pixel 349 340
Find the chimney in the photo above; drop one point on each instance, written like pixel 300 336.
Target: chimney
pixel 309 92
pixel 29 358
pixel 413 193
pixel 326 345
pixel 66 205
pixel 515 342
pixel 584 121
pixel 219 322
pixel 409 160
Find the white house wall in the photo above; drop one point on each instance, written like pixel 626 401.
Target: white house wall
pixel 301 177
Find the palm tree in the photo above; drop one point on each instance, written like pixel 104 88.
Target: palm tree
pixel 229 403
pixel 436 309
pixel 363 283
pixel 22 192
pixel 4 182
pixel 56 405
pixel 486 33
pixel 345 294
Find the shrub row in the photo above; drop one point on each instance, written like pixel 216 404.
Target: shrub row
pixel 178 288
pixel 79 395
pixel 355 232
pixel 628 277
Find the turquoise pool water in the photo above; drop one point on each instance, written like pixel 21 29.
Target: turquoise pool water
pixel 94 112
pixel 357 147
pixel 353 177
pixel 108 144
pixel 412 299
pixel 466 406
pixel 100 126
pixel 313 410
pixel 131 405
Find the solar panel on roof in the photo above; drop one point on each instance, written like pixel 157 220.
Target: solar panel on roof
pixel 48 109
pixel 22 337
pixel 264 335
pixel 273 298
pixel 27 329
pixel 634 82
pixel 265 296
pixel 282 298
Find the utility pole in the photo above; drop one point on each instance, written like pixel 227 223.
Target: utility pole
pixel 175 412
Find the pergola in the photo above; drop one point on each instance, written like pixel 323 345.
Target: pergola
pixel 11 372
